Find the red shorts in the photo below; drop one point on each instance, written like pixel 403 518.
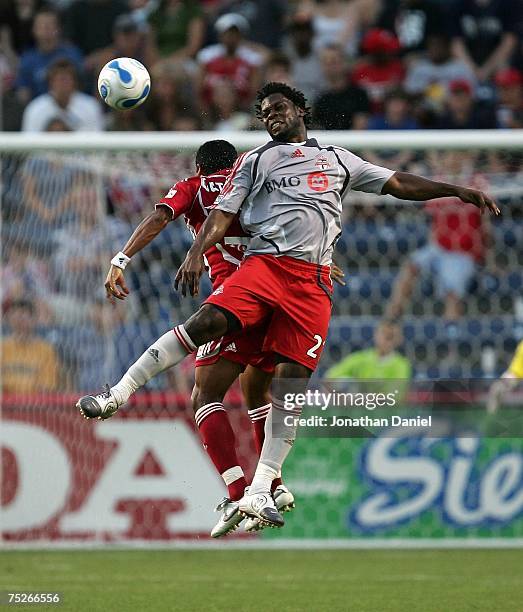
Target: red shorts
pixel 294 296
pixel 244 348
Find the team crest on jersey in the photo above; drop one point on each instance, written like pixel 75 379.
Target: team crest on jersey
pixel 218 291
pixel 318 181
pixel 322 162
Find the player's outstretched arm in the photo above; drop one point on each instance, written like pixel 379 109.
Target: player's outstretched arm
pixel 211 232
pixel 148 229
pixel 412 187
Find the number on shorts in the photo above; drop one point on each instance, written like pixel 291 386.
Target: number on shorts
pixel 312 351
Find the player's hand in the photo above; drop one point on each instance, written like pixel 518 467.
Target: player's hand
pixel 115 286
pixel 189 273
pixel 479 199
pixel 337 275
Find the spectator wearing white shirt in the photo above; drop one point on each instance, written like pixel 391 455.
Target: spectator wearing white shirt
pixel 63 101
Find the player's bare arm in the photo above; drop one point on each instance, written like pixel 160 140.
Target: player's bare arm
pixel 412 187
pixel 148 229
pixel 212 232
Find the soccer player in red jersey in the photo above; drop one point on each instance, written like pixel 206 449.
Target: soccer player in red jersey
pixel 218 363
pixel 289 194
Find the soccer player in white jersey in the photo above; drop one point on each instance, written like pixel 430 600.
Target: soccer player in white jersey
pixel 289 195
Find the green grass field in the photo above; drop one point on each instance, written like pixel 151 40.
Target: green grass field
pixel 264 580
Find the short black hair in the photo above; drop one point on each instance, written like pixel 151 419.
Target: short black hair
pixel 294 95
pixel 215 155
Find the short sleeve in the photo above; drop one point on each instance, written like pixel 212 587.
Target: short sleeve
pixel 237 186
pixel 516 365
pixel 365 176
pixel 179 199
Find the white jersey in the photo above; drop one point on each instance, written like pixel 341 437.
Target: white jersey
pixel 289 196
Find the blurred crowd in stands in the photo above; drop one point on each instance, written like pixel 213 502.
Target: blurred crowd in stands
pixel 363 64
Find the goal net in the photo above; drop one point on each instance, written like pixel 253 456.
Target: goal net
pixel 69 202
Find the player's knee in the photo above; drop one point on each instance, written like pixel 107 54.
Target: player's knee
pixel 207 324
pixel 292 369
pixel 204 392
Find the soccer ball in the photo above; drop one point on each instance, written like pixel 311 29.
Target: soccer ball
pixel 124 83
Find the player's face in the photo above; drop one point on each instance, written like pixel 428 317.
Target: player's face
pixel 282 119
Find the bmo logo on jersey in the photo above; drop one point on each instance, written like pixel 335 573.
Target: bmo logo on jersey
pixel 318 181
pixel 274 184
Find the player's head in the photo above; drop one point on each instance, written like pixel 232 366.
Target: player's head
pixel 387 337
pixel 215 155
pixel 283 110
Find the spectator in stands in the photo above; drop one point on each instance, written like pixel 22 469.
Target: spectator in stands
pixel 335 23
pixel 49 47
pixel 485 34
pixel 39 198
pixel 340 106
pixel 225 109
pixel 170 96
pixel 77 110
pixel 24 275
pixel 230 61
pixel 80 250
pixel 509 110
pixel 413 21
pixel 430 75
pixel 462 112
pixel 382 362
pixel 266 19
pixel 397 114
pixel 89 23
pixel 306 71
pixel 128 41
pixel 179 27
pixel 381 71
pixel 16 28
pixel 137 121
pixel 278 69
pixel 456 245
pixel 29 363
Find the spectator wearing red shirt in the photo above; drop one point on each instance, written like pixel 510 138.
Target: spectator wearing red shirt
pixel 509 110
pixel 381 71
pixel 230 61
pixel 456 245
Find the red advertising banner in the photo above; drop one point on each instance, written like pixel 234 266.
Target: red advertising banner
pixel 142 475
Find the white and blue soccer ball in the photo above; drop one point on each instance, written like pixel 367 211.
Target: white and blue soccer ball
pixel 124 83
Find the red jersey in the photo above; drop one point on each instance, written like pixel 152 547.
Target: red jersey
pixel 194 198
pixel 457 226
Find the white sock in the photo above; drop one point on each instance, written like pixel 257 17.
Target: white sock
pixel 273 453
pixel 166 352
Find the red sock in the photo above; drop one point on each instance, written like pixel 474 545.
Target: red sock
pixel 258 417
pixel 219 442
